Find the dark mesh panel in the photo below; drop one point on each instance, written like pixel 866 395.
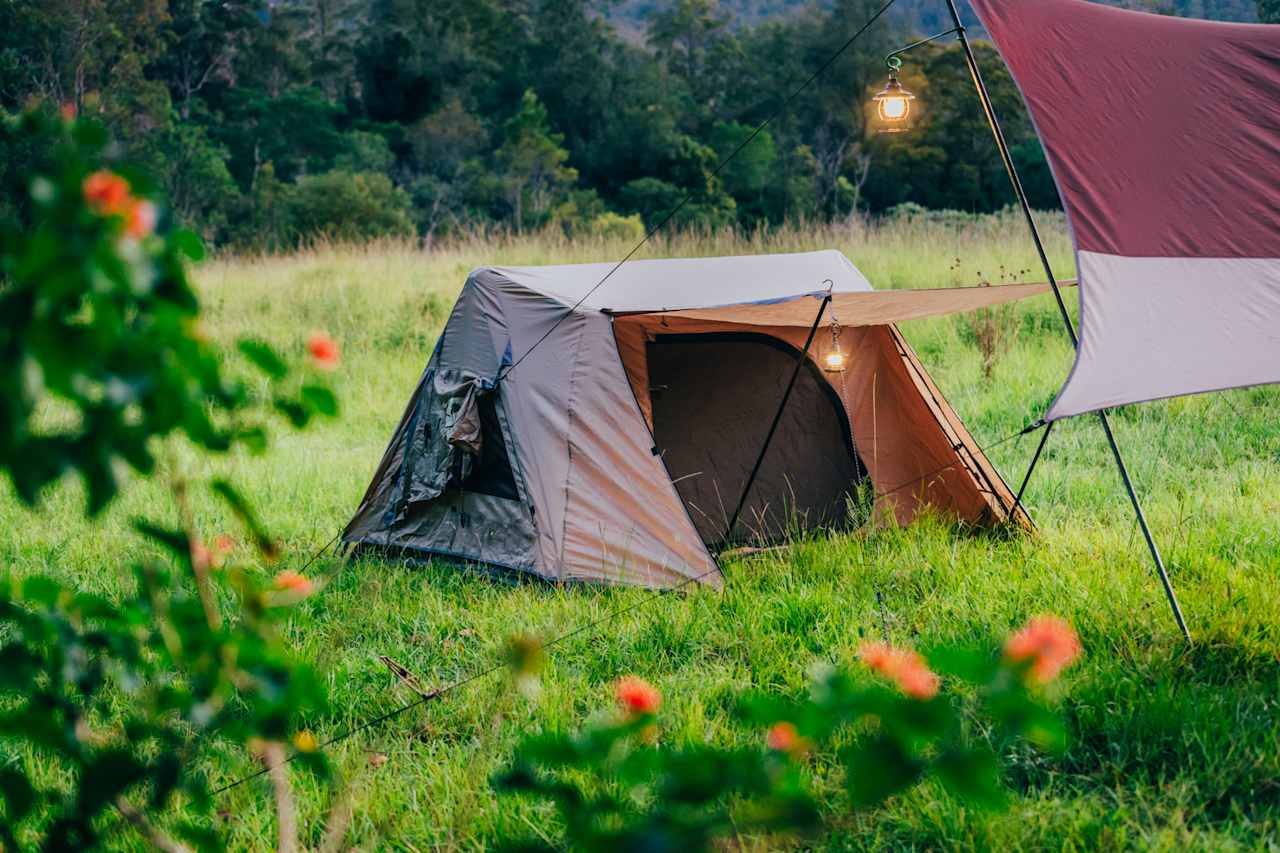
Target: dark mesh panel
pixel 714 396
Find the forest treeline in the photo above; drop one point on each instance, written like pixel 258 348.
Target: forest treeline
pixel 270 122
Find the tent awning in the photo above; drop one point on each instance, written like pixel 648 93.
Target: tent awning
pixel 868 308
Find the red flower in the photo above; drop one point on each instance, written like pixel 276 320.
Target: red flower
pixel 1048 642
pixel 68 111
pixel 783 737
pixel 291 581
pixel 323 349
pixel 637 696
pixel 903 667
pixel 224 543
pixel 140 218
pixel 107 194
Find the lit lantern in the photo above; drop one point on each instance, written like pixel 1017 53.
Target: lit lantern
pixel 833 361
pixel 893 103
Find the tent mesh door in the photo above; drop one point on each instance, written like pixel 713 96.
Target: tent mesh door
pixel 714 396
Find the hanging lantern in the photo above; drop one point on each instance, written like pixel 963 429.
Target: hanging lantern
pixel 833 361
pixel 893 103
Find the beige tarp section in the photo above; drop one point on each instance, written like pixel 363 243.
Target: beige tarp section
pixel 873 308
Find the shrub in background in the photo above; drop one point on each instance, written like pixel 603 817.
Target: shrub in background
pixel 348 206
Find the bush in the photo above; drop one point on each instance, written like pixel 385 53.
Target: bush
pixel 348 206
pixel 615 226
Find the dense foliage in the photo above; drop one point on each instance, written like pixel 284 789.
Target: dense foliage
pixel 271 122
pixel 617 786
pixel 104 701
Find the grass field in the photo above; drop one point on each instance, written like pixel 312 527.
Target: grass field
pixel 1172 747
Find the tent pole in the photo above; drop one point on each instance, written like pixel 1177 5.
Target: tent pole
pixel 777 417
pixel 1044 438
pixel 1018 190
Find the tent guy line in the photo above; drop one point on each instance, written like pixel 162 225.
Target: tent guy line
pixel 685 200
pixel 653 595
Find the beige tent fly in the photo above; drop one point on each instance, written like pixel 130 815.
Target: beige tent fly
pixel 607 434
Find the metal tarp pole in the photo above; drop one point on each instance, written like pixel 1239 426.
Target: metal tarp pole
pixel 1012 171
pixel 777 417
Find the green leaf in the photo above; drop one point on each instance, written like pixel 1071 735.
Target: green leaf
pixel 320 399
pixel 971 665
pixel 263 357
pixel 298 414
pixel 41 590
pixel 18 794
pixel 188 244
pixel 175 541
pixel 973 774
pixel 878 769
pixel 247 517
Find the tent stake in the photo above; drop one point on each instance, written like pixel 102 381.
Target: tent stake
pixel 994 122
pixel 777 417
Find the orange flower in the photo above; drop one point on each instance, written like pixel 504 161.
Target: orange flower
pixel 783 737
pixel 903 667
pixel 1048 642
pixel 224 543
pixel 140 218
pixel 291 581
pixel 68 111
pixel 323 349
pixel 107 194
pixel 637 696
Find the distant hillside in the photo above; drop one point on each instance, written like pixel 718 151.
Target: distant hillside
pixel 631 17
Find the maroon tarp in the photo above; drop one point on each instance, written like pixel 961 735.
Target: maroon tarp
pixel 1163 135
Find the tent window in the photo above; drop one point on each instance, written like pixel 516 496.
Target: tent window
pixel 492 474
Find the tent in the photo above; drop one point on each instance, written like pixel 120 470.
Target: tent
pixel 580 431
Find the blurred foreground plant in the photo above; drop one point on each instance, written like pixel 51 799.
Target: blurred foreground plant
pixel 103 703
pixel 618 787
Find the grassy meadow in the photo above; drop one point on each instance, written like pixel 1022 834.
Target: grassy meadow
pixel 1172 747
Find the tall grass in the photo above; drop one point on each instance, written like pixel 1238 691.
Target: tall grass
pixel 1173 748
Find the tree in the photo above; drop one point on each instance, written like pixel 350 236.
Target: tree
pixel 1269 11
pixel 192 168
pixel 201 38
pixel 532 162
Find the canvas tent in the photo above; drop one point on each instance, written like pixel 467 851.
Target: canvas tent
pixel 608 438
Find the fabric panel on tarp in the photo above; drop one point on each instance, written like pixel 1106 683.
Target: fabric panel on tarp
pixel 714 398
pixel 1163 135
pixel 876 308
